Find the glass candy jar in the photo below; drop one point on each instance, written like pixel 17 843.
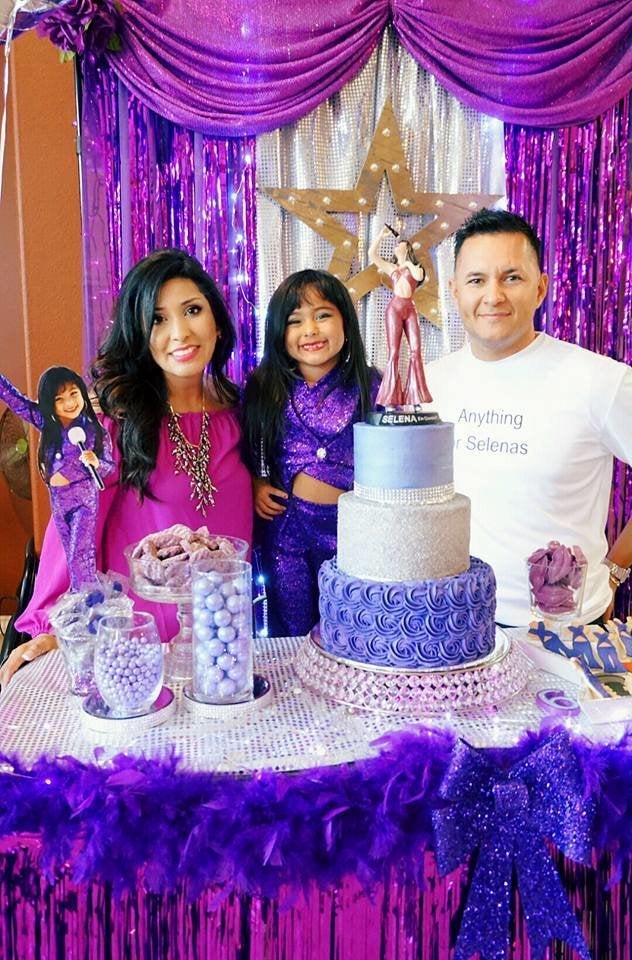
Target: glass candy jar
pixel 556 579
pixel 77 649
pixel 128 663
pixel 222 631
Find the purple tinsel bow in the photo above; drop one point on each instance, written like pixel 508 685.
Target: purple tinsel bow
pixel 507 815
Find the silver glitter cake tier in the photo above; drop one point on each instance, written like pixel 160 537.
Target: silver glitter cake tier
pixel 394 541
pixel 386 690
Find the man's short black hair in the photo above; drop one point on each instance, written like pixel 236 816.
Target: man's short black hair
pixel 495 221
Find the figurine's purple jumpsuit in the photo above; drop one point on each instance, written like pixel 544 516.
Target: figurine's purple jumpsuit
pixel 318 441
pixel 73 506
pixel 401 317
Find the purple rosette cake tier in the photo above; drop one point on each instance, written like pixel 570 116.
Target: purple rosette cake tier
pixel 430 624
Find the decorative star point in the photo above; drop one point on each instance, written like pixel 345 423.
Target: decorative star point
pixel 385 157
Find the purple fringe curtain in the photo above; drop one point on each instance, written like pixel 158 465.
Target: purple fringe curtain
pixel 398 921
pixel 148 183
pixel 575 186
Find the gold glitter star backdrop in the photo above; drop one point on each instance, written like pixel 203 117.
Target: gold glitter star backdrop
pixel 385 158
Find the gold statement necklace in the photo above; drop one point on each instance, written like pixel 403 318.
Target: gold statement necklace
pixel 193 459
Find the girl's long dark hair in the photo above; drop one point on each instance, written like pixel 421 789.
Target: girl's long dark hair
pixel 128 382
pixel 268 387
pixel 51 383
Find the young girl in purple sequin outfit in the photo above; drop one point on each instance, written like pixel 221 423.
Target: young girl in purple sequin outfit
pixel 300 405
pixel 63 403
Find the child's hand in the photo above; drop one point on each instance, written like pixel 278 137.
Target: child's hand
pixel 266 506
pixel 89 459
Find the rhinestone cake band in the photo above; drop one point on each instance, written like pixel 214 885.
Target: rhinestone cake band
pixel 423 495
pixel 386 690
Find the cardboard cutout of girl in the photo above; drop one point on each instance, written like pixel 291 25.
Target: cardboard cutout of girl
pixel 74 454
pixel 406 274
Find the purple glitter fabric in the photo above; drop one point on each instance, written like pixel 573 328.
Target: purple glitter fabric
pixel 252 66
pixel 318 441
pixel 293 547
pixel 319 418
pixel 74 510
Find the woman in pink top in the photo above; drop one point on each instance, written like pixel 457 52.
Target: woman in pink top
pixel 406 273
pixel 170 411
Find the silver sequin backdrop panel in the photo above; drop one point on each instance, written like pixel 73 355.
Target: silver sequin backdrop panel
pixel 449 148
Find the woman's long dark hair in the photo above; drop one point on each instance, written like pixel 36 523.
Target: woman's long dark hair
pixel 51 383
pixel 268 387
pixel 128 382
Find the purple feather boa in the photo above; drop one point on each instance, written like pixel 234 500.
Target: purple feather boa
pixel 142 818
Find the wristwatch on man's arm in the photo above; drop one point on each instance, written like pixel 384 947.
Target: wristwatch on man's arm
pixel 616 574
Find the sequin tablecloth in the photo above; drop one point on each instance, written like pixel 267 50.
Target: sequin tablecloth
pixel 81 813
pixel 298 730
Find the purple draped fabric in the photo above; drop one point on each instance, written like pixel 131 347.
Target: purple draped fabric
pixel 247 66
pixel 263 65
pixel 546 63
pixel 255 65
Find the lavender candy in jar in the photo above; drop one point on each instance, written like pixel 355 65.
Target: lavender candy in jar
pixel 222 631
pixel 128 663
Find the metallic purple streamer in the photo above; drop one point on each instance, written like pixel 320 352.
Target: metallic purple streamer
pixel 149 183
pixel 575 186
pixel 398 921
pixel 101 201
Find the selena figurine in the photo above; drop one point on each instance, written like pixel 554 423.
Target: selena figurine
pixel 406 274
pixel 74 454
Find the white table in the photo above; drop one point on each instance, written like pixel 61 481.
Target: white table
pixel 299 729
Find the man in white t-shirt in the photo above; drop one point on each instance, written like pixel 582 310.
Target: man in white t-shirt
pixel 537 420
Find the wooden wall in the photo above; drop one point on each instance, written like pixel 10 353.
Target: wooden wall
pixel 40 257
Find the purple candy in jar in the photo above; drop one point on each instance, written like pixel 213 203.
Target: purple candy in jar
pixel 204 617
pixel 128 663
pixel 235 603
pixel 214 647
pixel 215 601
pixel 223 618
pixel 223 664
pixel 225 661
pixel 226 688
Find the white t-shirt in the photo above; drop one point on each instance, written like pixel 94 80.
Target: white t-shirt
pixel 534 439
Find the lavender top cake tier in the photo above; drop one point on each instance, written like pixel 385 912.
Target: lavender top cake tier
pixel 403 457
